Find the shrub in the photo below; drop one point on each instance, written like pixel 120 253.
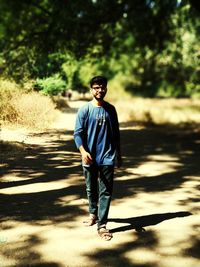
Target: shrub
pixel 8 91
pixel 51 86
pixel 34 110
pixel 31 110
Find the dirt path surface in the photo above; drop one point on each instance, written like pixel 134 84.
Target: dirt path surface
pixel 43 200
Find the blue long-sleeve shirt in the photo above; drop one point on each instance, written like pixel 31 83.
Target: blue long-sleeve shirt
pixel 97 130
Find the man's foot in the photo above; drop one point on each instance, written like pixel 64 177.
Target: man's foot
pixel 105 234
pixel 92 219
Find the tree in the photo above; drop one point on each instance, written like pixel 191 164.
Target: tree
pixel 143 40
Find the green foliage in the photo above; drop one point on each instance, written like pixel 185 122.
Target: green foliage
pixel 69 68
pixel 153 44
pixel 51 85
pixel 49 65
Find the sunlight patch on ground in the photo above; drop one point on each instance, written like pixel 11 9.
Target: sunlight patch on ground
pixel 18 135
pixel 131 127
pixel 176 235
pixel 57 158
pixel 25 136
pixel 3 165
pixel 145 199
pixel 178 261
pixel 69 122
pixel 31 157
pixel 69 241
pixel 129 177
pixel 15 178
pixel 63 154
pixel 193 182
pixel 143 256
pixel 163 157
pixel 65 167
pixel 74 164
pixel 6 262
pixel 154 168
pixel 37 174
pixel 34 188
pixel 71 200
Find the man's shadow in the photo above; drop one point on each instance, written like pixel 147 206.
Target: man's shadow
pixel 138 223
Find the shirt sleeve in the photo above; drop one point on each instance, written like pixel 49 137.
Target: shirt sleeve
pixel 116 127
pixel 79 128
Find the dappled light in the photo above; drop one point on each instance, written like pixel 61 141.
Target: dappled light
pixel 149 53
pixel 153 215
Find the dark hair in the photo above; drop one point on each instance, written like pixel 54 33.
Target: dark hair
pixel 99 80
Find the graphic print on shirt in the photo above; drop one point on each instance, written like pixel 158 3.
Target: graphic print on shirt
pixel 101 117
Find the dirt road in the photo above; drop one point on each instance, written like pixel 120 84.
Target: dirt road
pixel 43 200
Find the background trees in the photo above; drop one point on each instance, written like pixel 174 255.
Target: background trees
pixel 149 47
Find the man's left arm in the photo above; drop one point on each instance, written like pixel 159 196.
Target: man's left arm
pixel 118 140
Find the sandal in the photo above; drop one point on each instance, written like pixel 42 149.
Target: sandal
pixel 92 219
pixel 105 234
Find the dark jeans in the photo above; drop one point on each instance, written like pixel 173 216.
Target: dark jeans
pixel 99 186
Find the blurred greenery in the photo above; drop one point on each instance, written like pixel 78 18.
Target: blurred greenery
pixel 149 47
pixel 50 86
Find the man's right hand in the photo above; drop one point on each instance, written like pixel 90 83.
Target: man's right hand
pixel 86 157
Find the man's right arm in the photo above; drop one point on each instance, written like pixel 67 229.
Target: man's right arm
pixel 79 129
pixel 79 136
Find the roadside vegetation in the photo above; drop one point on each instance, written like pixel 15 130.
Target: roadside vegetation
pixel 151 111
pixel 154 111
pixel 22 107
pixel 148 50
pixel 34 110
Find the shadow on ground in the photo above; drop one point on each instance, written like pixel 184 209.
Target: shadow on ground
pixel 60 161
pixel 37 164
pixel 138 223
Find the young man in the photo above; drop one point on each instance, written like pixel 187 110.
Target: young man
pixel 97 137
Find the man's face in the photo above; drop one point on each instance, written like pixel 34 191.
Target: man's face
pixel 98 91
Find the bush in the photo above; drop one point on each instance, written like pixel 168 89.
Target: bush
pixel 34 110
pixel 51 86
pixel 31 110
pixel 8 91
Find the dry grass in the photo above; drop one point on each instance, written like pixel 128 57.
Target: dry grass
pixel 34 110
pixel 159 111
pixel 31 110
pixel 37 111
pixel 8 92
